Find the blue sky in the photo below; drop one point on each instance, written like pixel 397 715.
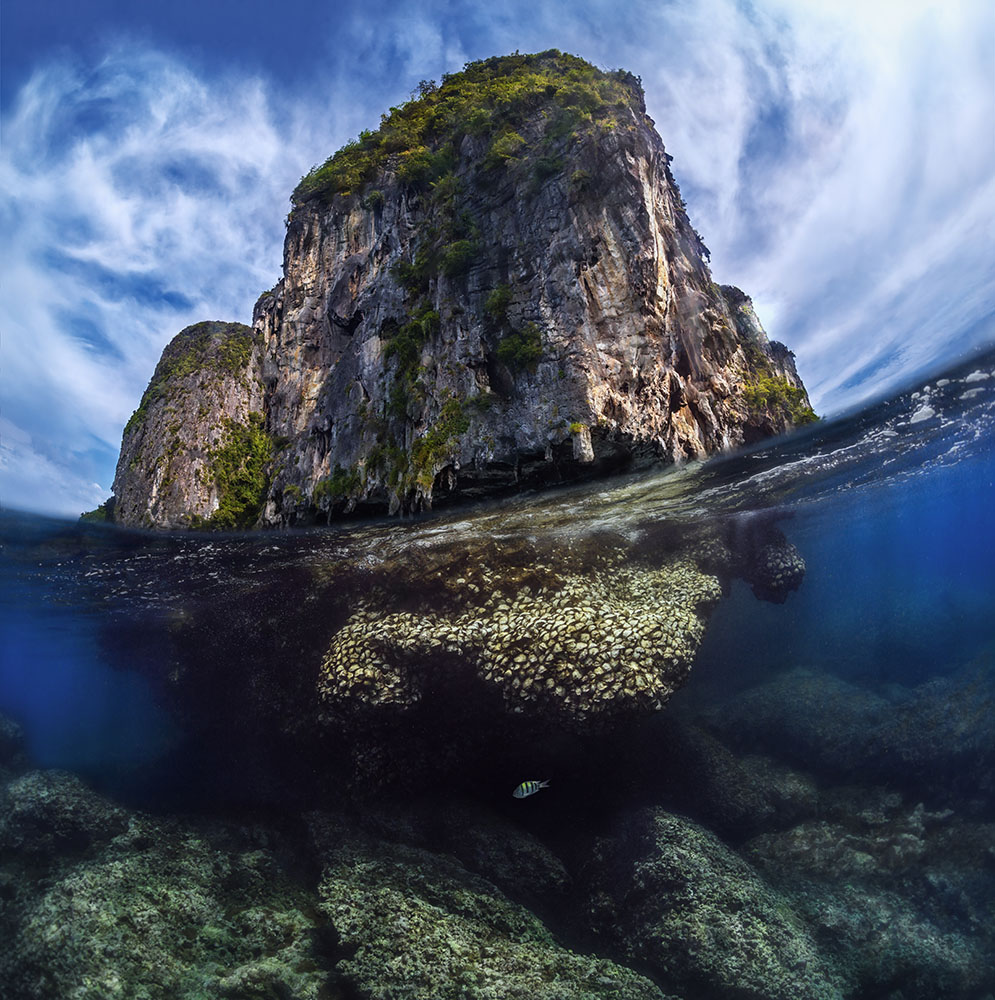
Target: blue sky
pixel 837 158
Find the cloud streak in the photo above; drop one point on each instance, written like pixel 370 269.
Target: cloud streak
pixel 839 163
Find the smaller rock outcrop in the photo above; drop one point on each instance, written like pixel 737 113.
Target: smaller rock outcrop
pixel 937 737
pixel 195 451
pixel 51 814
pixel 419 925
pixel 893 894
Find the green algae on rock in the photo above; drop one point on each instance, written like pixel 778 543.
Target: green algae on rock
pixel 932 736
pixel 48 814
pixel 894 894
pixel 138 907
pixel 421 927
pixel 97 904
pixel 673 896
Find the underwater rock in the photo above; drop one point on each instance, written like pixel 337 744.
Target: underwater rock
pixel 778 568
pixel 672 897
pixel 12 757
pixel 49 814
pixel 806 716
pixel 900 899
pixel 484 842
pixel 397 657
pixel 938 736
pixel 11 740
pixel 419 926
pixel 159 910
pixel 736 796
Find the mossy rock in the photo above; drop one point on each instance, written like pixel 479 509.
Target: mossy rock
pixel 163 910
pixel 211 346
pixel 421 927
pixel 674 897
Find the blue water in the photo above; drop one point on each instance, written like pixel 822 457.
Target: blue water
pixel 892 513
pixel 900 586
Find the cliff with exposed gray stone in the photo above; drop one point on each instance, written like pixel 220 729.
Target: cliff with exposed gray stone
pixel 512 298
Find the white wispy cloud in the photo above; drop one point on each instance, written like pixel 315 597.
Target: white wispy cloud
pixel 837 159
pixel 840 164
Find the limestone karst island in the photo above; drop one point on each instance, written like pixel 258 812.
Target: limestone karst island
pixel 498 289
pixel 723 731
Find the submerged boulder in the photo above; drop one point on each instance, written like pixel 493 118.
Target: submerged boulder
pixel 12 757
pixel 936 737
pixel 579 649
pixel 49 814
pixel 736 796
pixel 418 925
pixel 483 841
pixel 900 898
pixel 671 896
pixel 137 908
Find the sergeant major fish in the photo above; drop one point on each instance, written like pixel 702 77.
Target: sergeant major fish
pixel 527 788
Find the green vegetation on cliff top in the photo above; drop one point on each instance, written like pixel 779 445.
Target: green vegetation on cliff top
pixel 222 347
pixel 776 392
pixel 488 98
pixel 104 514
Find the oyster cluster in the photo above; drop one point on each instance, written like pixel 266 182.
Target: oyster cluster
pixel 777 568
pixel 577 646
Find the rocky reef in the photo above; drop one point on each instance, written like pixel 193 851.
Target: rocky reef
pixel 497 289
pixel 403 657
pixel 680 867
pixel 612 642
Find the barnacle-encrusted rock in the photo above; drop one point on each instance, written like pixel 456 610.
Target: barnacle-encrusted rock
pixel 777 569
pixel 937 738
pixel 151 909
pixel 486 843
pixel 894 894
pixel 49 813
pixel 620 639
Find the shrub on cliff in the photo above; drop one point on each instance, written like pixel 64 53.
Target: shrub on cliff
pixel 487 98
pixel 776 392
pixel 523 349
pixel 241 474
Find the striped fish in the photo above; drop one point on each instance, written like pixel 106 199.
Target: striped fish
pixel 527 788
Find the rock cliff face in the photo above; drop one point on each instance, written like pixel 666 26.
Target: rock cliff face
pixel 192 446
pixel 498 289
